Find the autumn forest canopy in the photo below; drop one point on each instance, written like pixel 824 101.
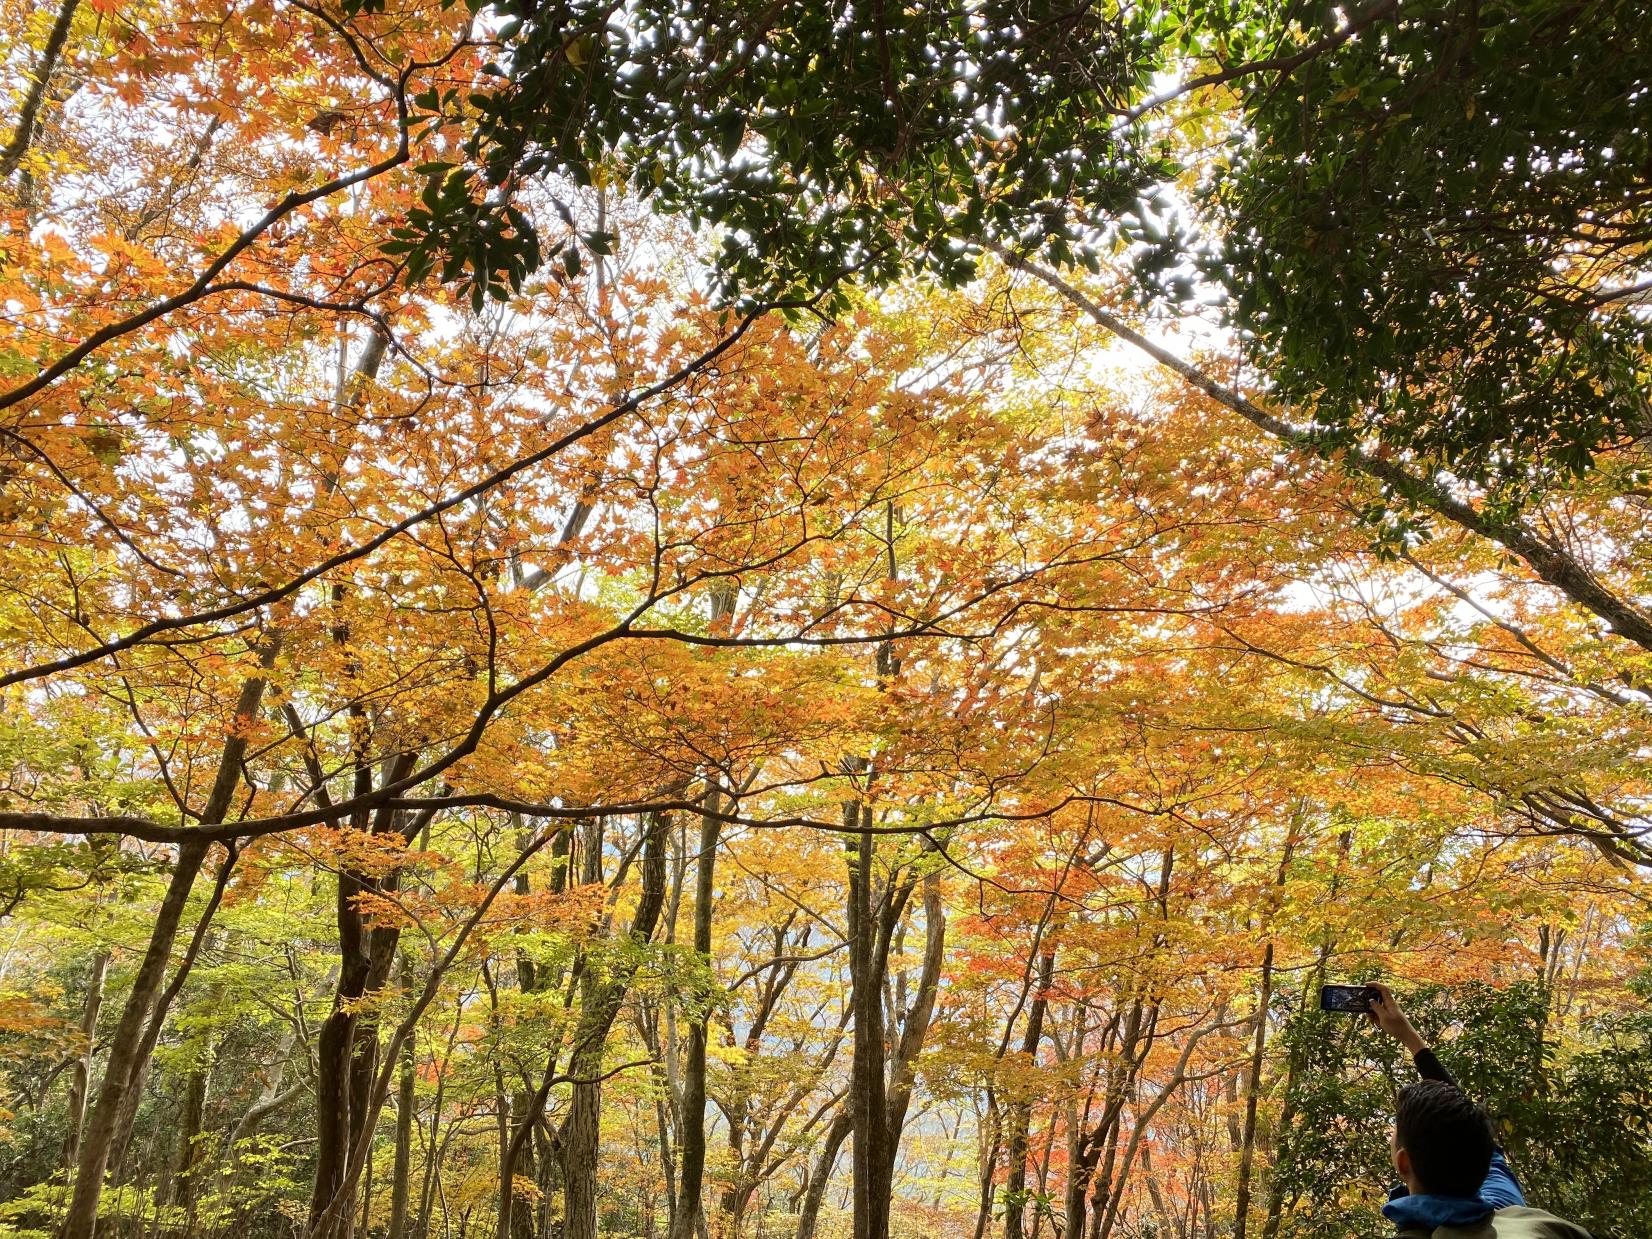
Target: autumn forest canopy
pixel 799 620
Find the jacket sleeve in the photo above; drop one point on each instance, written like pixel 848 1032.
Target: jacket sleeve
pixel 1431 1068
pixel 1501 1189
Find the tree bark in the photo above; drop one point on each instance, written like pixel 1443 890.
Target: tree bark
pixel 186 1152
pixel 121 1068
pixel 580 1134
pixel 868 1099
pixel 406 1103
pixel 518 1212
pixel 157 1017
pixel 1100 1144
pixel 527 1115
pixel 691 1136
pixel 81 1079
pixel 347 1046
pixel 1293 1061
pixel 820 1178
pixel 29 115
pixel 1015 1180
pixel 125 1058
pixel 902 1073
pixel 1253 1087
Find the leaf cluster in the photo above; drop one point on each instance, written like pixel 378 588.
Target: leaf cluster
pixel 824 141
pixel 1435 234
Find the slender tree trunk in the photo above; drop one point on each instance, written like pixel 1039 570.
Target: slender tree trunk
pixel 1102 1142
pixel 580 1134
pixel 28 117
pixel 515 1210
pixel 820 1178
pixel 335 1074
pixel 125 1058
pixel 332 1109
pixel 347 1048
pixel 271 1098
pixel 510 1219
pixel 691 1134
pixel 121 1066
pixel 1156 1195
pixel 991 1141
pixel 1287 1114
pixel 1015 1180
pixel 1253 1087
pixel 366 1194
pixel 430 1179
pixel 1293 1061
pixel 80 1080
pixel 868 1102
pixel 902 1073
pixel 550 1190
pixel 157 1018
pixel 406 1104
pixel 186 1150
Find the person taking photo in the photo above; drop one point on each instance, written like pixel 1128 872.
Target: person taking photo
pixel 1454 1181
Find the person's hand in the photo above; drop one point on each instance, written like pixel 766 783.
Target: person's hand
pixel 1385 1013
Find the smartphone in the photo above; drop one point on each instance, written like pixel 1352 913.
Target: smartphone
pixel 1352 998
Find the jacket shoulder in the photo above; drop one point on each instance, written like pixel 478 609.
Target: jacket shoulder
pixel 1524 1222
pixel 1514 1222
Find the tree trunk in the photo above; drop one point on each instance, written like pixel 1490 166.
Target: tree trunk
pixel 517 1213
pixel 902 1073
pixel 81 1079
pixel 1015 1180
pixel 270 1099
pixel 868 1103
pixel 121 1067
pixel 337 1070
pixel 431 1180
pixel 126 1046
pixel 580 1134
pixel 157 1018
pixel 1293 1061
pixel 1253 1086
pixel 509 1221
pixel 820 1179
pixel 1155 1194
pixel 1100 1143
pixel 347 1048
pixel 333 1100
pixel 990 1142
pixel 691 1137
pixel 406 1103
pixel 186 1149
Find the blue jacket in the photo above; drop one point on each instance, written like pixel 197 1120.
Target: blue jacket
pixel 1499 1191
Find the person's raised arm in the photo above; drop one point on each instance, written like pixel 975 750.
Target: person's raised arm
pixel 1386 1014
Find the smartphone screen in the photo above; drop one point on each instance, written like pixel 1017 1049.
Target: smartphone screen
pixel 1353 998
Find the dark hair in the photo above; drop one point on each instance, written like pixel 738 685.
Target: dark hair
pixel 1447 1136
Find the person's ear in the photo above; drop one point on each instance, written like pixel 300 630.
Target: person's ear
pixel 1402 1164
